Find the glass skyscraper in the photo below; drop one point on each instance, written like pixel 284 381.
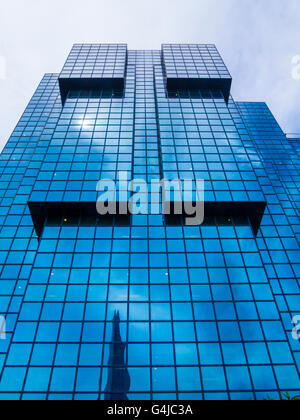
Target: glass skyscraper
pixel 143 306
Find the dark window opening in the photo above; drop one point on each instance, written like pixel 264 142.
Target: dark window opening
pixel 224 214
pixel 85 214
pixel 195 93
pixel 95 93
pixel 179 220
pixel 72 214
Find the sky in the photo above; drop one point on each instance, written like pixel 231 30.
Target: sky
pixel 258 40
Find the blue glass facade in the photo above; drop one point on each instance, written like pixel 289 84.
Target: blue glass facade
pixel 137 307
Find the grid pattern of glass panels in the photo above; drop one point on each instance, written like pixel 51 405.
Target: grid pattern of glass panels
pixel 200 140
pixel 92 140
pixel 193 61
pixel 280 157
pixel 96 61
pixel 197 312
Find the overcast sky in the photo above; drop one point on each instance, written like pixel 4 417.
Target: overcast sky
pixel 257 39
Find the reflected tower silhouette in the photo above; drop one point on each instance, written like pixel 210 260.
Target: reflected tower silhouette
pixel 118 379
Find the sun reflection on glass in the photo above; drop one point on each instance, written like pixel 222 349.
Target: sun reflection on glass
pixel 84 124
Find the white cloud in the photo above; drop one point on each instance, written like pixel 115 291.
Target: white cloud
pixel 257 39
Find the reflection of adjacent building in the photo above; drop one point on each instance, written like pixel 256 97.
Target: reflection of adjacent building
pixel 118 379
